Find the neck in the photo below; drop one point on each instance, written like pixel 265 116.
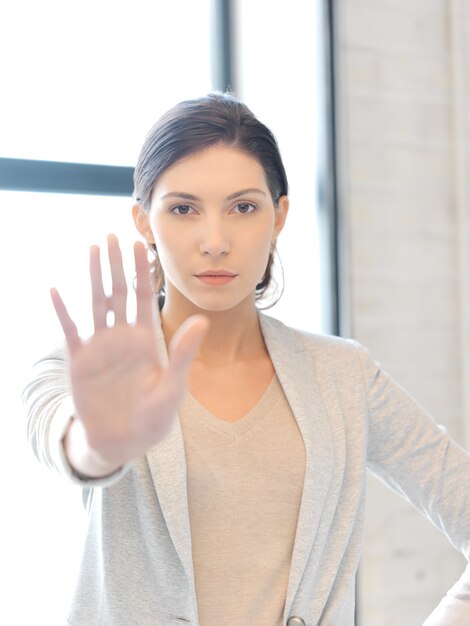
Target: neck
pixel 234 335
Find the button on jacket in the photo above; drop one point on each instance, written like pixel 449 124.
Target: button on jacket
pixel 137 564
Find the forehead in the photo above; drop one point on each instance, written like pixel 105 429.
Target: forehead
pixel 220 165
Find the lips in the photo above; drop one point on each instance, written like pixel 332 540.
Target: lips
pixel 216 278
pixel 217 273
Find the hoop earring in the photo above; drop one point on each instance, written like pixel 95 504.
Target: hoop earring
pixel 273 284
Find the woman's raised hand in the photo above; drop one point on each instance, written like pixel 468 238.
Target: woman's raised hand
pixel 125 399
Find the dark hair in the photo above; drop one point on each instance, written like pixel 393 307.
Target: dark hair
pixel 191 126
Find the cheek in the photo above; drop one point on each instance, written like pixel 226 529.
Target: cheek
pixel 167 238
pixel 259 238
pixel 169 255
pixel 173 247
pixel 257 249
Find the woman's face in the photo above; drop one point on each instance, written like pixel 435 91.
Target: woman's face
pixel 213 221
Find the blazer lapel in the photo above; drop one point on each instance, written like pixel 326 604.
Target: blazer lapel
pixel 168 469
pixel 295 368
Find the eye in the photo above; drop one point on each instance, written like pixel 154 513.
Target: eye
pixel 182 209
pixel 244 208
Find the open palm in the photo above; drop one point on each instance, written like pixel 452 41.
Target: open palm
pixel 124 397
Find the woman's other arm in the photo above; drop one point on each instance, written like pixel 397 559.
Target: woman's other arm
pixel 414 456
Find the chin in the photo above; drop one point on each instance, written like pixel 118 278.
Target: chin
pixel 216 300
pixel 220 303
pixel 216 307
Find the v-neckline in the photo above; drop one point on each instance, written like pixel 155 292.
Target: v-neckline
pixel 247 421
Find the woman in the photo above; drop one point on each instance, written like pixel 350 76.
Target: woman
pixel 224 476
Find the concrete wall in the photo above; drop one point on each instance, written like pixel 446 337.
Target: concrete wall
pixel 404 138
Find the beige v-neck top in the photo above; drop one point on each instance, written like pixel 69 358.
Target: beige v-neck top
pixel 244 489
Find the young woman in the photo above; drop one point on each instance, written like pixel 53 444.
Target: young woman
pixel 222 454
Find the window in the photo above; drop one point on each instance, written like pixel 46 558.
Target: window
pixel 85 81
pixel 43 520
pixel 283 71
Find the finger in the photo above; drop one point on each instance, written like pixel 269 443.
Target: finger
pixel 186 343
pixel 98 297
pixel 144 292
pixel 68 325
pixel 118 279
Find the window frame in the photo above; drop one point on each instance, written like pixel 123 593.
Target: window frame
pixel 110 180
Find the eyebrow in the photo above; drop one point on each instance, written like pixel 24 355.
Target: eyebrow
pixel 232 196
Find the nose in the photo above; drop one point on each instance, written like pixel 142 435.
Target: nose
pixel 214 239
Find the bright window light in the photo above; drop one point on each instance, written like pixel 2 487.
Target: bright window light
pixel 44 242
pixel 277 75
pixel 81 82
pixel 84 81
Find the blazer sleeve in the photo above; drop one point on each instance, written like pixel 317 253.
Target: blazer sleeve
pixel 415 456
pixel 49 407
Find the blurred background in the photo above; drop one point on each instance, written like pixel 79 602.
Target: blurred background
pixel 368 100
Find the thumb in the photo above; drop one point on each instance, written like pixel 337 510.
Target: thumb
pixel 186 342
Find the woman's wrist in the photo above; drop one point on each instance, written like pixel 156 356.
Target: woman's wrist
pixel 84 461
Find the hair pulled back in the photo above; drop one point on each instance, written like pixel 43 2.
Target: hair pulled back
pixel 191 126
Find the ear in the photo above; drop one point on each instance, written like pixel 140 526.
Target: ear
pixel 142 223
pixel 281 214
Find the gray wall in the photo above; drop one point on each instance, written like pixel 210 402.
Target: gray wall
pixel 404 138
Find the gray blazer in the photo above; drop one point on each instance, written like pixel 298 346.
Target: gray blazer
pixel 137 563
